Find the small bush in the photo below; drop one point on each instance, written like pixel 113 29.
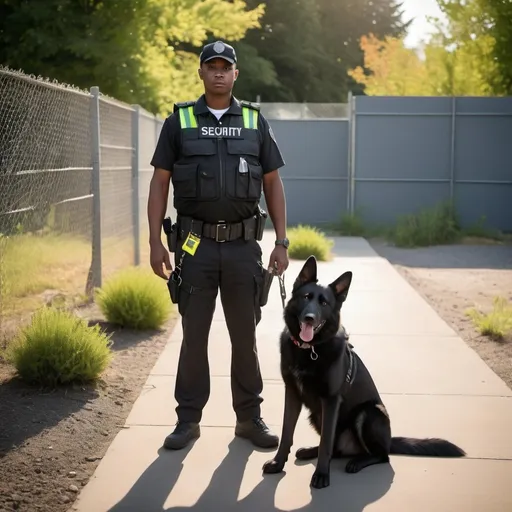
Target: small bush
pixel 59 348
pixel 306 241
pixel 352 225
pixel 498 323
pixel 431 226
pixel 135 298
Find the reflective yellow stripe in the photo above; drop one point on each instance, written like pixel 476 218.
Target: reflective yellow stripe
pixel 193 120
pixel 187 117
pixel 250 118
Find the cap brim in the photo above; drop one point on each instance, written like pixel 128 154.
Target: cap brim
pixel 232 61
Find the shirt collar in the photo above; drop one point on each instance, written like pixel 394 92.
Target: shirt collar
pixel 202 108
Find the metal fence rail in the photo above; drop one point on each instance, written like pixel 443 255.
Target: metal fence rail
pixel 411 153
pixel 74 178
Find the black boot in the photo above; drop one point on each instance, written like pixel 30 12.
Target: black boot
pixel 257 432
pixel 182 435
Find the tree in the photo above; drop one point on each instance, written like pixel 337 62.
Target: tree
pixel 390 69
pixel 303 49
pixel 129 48
pixel 464 57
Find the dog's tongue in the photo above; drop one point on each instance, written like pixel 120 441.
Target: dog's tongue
pixel 306 332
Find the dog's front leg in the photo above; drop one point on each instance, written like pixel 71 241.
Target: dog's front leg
pixel 292 408
pixel 330 408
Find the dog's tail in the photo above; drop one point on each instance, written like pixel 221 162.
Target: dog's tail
pixel 430 447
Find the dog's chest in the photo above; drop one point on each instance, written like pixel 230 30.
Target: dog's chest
pixel 309 381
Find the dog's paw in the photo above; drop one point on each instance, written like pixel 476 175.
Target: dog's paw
pixel 307 453
pixel 273 466
pixel 353 466
pixel 319 480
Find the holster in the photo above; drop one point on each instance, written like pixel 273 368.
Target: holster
pixel 171 231
pixel 173 284
pixel 268 277
pixel 261 220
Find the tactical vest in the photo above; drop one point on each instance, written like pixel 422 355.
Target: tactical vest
pixel 218 175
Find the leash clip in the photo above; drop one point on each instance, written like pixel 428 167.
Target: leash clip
pixel 313 355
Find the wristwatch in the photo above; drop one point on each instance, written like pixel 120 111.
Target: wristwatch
pixel 284 242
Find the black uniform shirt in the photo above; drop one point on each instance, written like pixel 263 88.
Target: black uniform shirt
pixel 218 207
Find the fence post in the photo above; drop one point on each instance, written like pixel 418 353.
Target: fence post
pixel 349 149
pixel 94 279
pixel 452 149
pixel 353 143
pixel 135 183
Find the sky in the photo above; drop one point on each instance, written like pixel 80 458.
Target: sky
pixel 420 27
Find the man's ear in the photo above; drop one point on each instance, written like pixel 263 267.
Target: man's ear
pixel 200 73
pixel 307 274
pixel 341 286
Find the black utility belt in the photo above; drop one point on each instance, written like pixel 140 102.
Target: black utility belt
pixel 248 229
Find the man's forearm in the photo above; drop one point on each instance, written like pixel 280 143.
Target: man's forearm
pixel 156 210
pixel 276 204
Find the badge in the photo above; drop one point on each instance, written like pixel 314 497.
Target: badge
pixel 219 47
pixel 191 244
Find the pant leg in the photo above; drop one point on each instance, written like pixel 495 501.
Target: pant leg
pixel 241 277
pixel 196 307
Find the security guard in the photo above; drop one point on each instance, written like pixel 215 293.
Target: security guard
pixel 221 154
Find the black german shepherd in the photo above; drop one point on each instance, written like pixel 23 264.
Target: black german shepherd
pixel 321 372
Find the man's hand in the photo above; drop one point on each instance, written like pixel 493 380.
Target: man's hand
pixel 158 257
pixel 279 259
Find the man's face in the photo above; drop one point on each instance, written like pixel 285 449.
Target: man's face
pixel 218 76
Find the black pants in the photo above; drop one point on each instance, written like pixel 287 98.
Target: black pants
pixel 236 269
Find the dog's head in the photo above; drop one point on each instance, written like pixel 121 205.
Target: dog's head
pixel 313 311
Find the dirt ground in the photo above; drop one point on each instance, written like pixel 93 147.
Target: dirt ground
pixel 51 443
pixel 454 278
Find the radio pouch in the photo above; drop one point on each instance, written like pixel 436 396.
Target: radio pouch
pixel 268 277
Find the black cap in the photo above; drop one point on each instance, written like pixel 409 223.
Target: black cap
pixel 218 49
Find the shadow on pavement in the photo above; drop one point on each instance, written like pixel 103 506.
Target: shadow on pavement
pixel 350 493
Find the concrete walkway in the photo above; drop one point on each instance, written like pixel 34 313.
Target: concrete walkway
pixel 431 382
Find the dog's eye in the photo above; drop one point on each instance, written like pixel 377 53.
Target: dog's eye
pixel 324 303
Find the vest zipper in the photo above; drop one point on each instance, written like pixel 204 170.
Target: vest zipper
pixel 221 168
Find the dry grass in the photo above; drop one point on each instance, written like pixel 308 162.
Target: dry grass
pixel 50 269
pixel 497 324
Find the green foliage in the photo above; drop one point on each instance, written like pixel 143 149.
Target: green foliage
pixel 352 225
pixel 497 324
pixel 131 49
pixel 57 348
pixel 135 298
pixel 308 240
pixel 310 45
pixel 431 226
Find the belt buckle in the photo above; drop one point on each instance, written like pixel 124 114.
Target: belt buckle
pixel 224 227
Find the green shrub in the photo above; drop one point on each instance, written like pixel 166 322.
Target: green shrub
pixel 306 241
pixel 352 225
pixel 135 298
pixel 496 324
pixel 58 348
pixel 431 226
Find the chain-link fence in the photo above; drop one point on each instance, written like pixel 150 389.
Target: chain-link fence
pixel 74 178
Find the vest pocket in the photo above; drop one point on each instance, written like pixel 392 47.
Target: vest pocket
pixel 207 184
pixel 247 182
pixel 184 180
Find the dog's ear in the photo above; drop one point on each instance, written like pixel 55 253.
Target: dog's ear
pixel 308 273
pixel 341 286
